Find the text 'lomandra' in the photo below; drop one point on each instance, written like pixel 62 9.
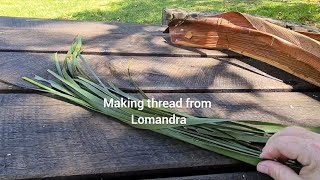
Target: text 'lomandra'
pixel 152 103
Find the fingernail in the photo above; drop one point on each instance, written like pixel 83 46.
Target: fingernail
pixel 262 154
pixel 262 168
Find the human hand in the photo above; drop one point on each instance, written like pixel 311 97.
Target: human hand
pixel 296 144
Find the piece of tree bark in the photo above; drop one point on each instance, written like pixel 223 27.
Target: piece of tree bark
pixel 285 49
pixel 169 15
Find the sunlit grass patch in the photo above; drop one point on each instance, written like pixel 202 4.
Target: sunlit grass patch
pixel 149 12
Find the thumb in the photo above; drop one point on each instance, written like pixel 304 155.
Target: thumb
pixel 277 170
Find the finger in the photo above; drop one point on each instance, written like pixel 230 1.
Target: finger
pixel 277 170
pixel 296 131
pixel 290 147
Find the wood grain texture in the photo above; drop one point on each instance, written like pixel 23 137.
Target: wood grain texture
pixel 45 137
pixel 161 73
pixel 69 25
pixel 169 15
pixel 290 51
pixel 280 107
pixel 19 34
pixel 224 176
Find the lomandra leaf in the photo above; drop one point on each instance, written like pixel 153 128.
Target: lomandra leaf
pixel 294 52
pixel 239 140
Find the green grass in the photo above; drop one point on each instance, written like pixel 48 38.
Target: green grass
pixel 149 12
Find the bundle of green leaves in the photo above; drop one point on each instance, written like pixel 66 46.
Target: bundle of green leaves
pixel 78 83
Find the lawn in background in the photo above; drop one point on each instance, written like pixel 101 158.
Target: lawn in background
pixel 149 11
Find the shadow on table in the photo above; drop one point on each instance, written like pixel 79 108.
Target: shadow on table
pixel 45 136
pixel 13 70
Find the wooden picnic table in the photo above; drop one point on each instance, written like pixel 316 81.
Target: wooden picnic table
pixel 43 136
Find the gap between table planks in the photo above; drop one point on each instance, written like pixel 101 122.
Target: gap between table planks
pixel 46 137
pixel 36 35
pixel 161 74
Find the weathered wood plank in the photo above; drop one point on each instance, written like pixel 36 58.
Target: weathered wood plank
pixel 99 37
pixel 162 74
pixel 290 108
pixel 224 176
pixel 44 137
pixel 71 25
